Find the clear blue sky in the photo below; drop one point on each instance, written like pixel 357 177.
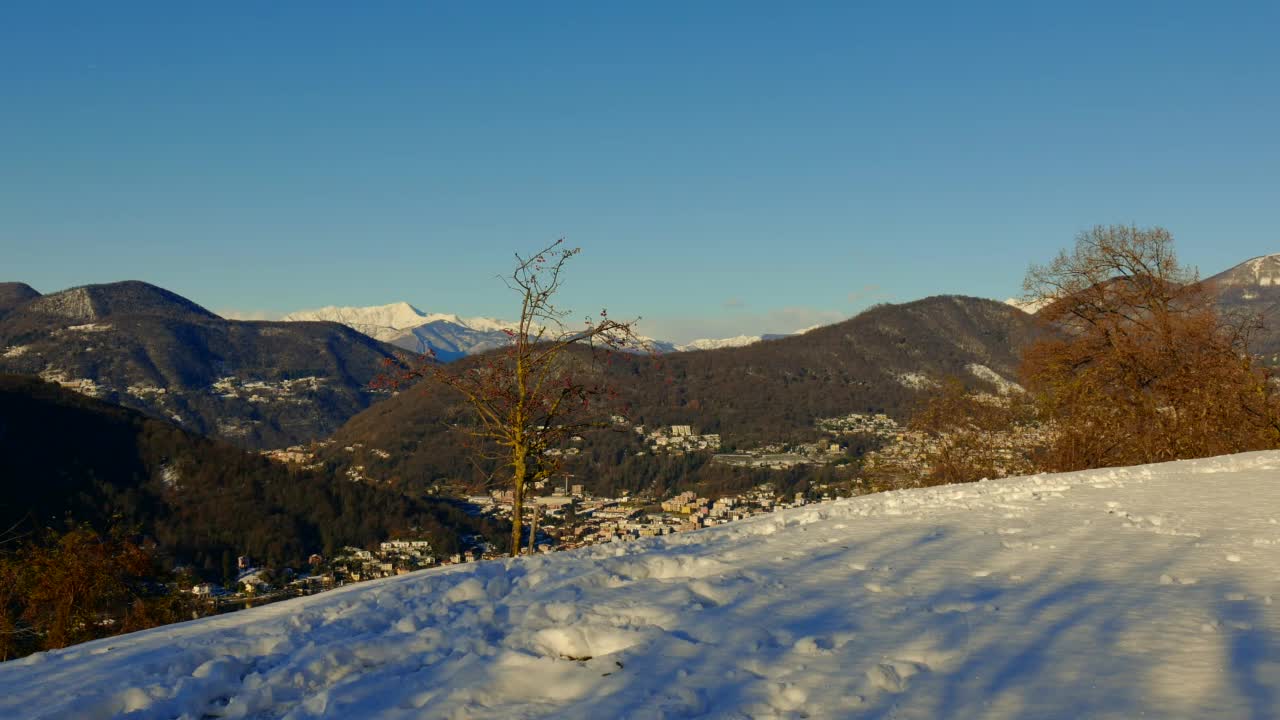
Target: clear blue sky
pixel 727 167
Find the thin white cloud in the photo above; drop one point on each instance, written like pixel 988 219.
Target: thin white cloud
pixel 867 294
pixel 687 328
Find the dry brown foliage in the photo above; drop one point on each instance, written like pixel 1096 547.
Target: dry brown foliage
pixel 1139 366
pixel 77 586
pixel 1136 365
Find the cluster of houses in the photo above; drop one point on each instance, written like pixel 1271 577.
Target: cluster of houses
pixel 909 453
pixel 677 440
pixel 294 455
pixel 569 451
pixel 877 425
pixel 255 585
pixel 578 520
pixel 776 458
pixel 261 391
pixel 393 557
pixel 351 564
pixel 569 518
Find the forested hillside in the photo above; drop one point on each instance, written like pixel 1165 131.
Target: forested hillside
pixel 65 457
pixel 257 384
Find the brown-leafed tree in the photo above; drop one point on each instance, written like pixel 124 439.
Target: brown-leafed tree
pixel 1138 365
pixel 529 398
pixel 59 589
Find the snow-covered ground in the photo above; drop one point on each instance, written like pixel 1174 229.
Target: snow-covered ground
pixel 1135 592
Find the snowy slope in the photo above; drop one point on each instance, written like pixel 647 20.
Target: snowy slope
pixel 1106 594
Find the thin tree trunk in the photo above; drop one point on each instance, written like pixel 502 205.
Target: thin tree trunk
pixel 517 504
pixel 533 529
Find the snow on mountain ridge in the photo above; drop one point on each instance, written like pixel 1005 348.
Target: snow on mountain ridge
pixel 717 343
pixel 1031 307
pixel 1261 271
pixel 451 336
pixel 396 316
pixel 447 335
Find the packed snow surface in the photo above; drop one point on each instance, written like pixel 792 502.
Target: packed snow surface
pixel 1133 592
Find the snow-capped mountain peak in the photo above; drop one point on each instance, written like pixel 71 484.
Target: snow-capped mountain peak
pixel 717 343
pixel 447 335
pixel 1260 271
pixel 450 336
pixel 381 319
pixel 1031 307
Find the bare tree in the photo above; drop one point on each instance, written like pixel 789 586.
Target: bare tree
pixel 544 387
pixel 1138 364
pixel 972 435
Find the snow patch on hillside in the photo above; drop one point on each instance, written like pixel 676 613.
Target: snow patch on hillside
pixel 89 327
pixel 1003 385
pixel 914 380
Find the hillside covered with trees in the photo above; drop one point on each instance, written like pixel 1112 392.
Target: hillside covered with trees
pixel 256 384
pixel 65 458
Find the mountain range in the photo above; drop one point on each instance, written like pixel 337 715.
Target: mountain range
pixel 259 384
pixel 271 384
pixel 449 336
pixel 883 360
pixel 262 384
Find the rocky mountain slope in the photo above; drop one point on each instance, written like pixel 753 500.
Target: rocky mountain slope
pixel 259 384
